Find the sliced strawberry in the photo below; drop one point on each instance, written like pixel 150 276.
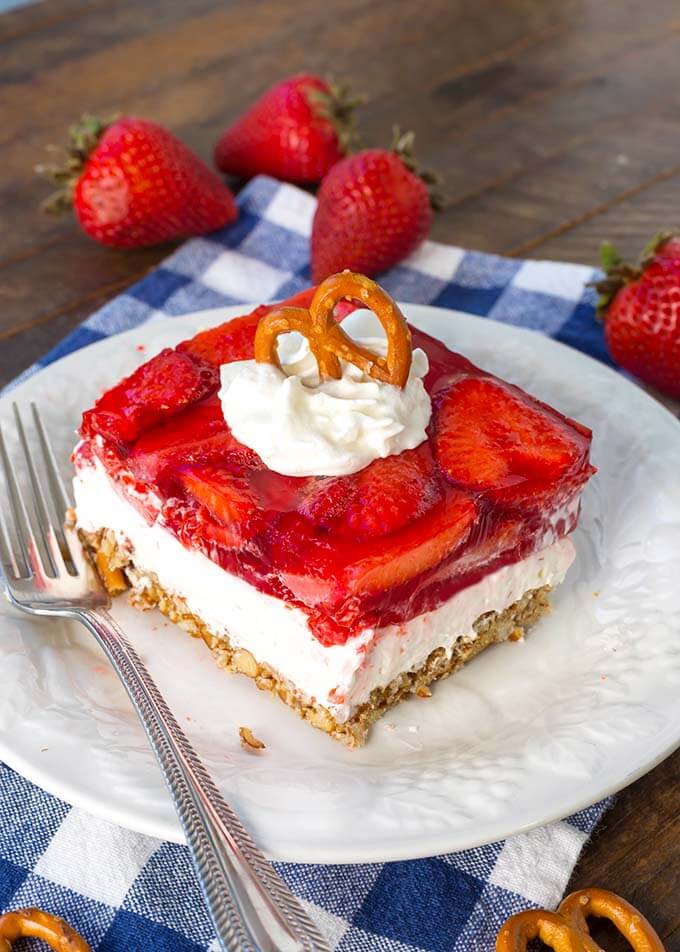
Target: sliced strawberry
pixel 228 497
pixel 493 438
pixel 391 493
pixel 235 339
pixel 324 570
pixel 278 493
pixel 326 498
pixel 378 500
pixel 161 387
pixel 344 308
pixel 197 435
pixel 417 548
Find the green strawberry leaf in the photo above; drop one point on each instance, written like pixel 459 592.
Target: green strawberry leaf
pixel 609 257
pixel 653 246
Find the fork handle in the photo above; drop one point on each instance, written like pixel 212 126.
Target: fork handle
pixel 251 907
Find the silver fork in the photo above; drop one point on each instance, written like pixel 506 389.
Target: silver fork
pixel 45 572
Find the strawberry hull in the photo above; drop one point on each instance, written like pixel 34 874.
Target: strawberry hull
pixel 498 478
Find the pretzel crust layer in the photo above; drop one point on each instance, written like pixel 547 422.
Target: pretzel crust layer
pixel 147 592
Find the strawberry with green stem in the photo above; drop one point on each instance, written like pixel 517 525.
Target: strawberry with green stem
pixel 640 307
pixel 374 208
pixel 295 132
pixel 132 183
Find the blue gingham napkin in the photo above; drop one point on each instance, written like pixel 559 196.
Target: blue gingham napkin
pixel 127 892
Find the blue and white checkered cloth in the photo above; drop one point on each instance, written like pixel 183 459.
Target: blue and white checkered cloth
pixel 127 892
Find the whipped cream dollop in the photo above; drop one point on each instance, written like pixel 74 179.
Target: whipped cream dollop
pixel 303 426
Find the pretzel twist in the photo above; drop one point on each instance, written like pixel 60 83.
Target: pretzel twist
pixel 567 929
pixel 36 924
pixel 327 340
pixel 607 905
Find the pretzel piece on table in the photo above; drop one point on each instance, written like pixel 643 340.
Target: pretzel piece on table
pixel 607 905
pixel 550 927
pixel 567 929
pixel 36 924
pixel 329 343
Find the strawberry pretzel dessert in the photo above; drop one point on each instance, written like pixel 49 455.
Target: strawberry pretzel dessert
pixel 344 522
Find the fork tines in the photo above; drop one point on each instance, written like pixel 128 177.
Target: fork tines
pixel 32 539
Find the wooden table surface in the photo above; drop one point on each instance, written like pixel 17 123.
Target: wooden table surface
pixel 555 122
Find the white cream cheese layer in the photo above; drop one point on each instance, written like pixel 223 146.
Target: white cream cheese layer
pixel 340 676
pixel 301 426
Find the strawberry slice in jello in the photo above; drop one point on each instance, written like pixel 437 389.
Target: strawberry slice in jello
pixel 234 339
pixel 368 532
pixel 229 497
pixel 197 435
pixel 379 499
pixel 161 387
pixel 493 438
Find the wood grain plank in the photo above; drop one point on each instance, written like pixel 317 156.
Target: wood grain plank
pixel 634 853
pixel 38 17
pixel 539 100
pixel 185 98
pixel 255 54
pixel 32 343
pixel 495 156
pixel 551 69
pixel 629 221
pixel 560 192
pixel 98 269
pixel 100 24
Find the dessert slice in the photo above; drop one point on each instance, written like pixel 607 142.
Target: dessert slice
pixel 367 520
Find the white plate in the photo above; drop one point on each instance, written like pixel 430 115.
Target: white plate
pixel 526 733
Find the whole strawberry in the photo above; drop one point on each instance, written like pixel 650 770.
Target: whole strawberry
pixel 641 312
pixel 373 210
pixel 133 183
pixel 295 132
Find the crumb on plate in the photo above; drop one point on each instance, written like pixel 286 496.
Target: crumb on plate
pixel 248 739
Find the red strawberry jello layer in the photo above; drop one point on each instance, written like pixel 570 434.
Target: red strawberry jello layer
pixel 448 546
